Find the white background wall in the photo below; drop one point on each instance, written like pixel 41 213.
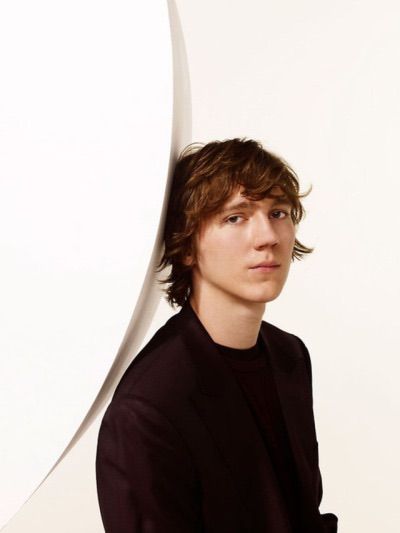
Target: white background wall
pixel 75 125
pixel 318 83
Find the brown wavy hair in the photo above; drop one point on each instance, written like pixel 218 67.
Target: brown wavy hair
pixel 205 177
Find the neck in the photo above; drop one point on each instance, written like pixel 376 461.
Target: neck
pixel 229 322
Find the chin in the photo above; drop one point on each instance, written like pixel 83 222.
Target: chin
pixel 267 296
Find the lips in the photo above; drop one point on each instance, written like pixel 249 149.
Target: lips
pixel 266 264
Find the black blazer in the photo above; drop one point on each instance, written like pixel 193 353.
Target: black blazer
pixel 179 449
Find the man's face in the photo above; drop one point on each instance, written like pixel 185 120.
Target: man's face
pixel 235 247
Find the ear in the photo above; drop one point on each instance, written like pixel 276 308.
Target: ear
pixel 188 259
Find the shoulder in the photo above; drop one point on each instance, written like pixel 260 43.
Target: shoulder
pixel 284 338
pixel 290 348
pixel 160 370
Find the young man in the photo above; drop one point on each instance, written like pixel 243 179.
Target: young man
pixel 211 429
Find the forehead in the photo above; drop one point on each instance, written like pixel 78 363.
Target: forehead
pixel 276 193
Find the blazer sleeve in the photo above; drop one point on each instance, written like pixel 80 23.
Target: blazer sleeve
pixel 146 480
pixel 329 520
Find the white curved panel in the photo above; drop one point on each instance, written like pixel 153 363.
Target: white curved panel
pixel 85 130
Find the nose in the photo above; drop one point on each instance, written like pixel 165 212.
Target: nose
pixel 263 232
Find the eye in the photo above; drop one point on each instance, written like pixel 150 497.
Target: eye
pixel 280 212
pixel 233 219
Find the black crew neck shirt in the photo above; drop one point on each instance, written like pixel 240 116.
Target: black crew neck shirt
pixel 253 374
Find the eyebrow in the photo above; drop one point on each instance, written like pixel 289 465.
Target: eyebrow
pixel 246 204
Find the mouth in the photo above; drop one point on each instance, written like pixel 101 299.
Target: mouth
pixel 265 269
pixel 266 265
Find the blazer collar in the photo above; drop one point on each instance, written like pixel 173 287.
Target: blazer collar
pixel 210 365
pixel 211 369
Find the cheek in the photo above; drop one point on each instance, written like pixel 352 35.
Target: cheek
pixel 217 247
pixel 218 260
pixel 289 237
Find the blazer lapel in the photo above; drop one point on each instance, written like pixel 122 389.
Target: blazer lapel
pixel 295 396
pixel 221 404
